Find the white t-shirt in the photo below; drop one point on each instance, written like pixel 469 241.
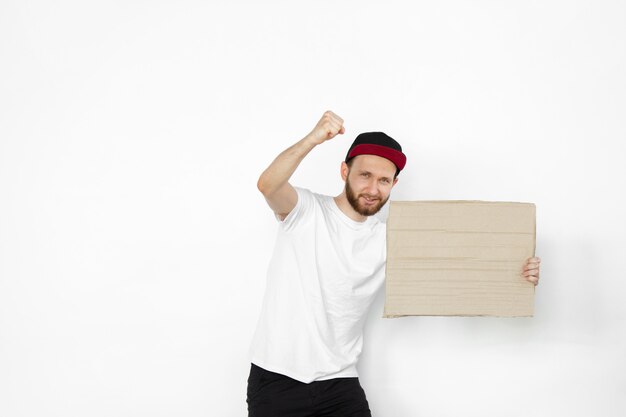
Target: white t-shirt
pixel 325 272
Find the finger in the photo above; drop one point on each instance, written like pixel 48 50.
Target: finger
pixel 531 277
pixel 533 273
pixel 331 132
pixel 531 266
pixel 533 259
pixel 327 122
pixel 336 127
pixel 335 117
pixel 327 117
pixel 533 280
pixel 342 131
pixel 336 124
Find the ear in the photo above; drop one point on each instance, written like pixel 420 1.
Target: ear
pixel 395 180
pixel 344 171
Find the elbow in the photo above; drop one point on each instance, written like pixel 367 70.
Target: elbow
pixel 266 187
pixel 261 185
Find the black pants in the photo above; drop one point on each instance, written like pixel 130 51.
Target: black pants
pixel 276 395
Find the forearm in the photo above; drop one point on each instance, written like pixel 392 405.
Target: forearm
pixel 277 175
pixel 285 164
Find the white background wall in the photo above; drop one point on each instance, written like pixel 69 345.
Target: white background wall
pixel 133 241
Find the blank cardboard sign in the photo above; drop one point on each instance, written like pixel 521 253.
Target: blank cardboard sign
pixel 459 258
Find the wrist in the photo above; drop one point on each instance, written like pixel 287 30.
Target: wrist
pixel 311 140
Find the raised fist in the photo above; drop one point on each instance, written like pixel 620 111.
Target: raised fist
pixel 327 128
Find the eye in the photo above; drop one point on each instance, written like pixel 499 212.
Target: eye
pixel 365 174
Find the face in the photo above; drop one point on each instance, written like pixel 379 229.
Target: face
pixel 369 181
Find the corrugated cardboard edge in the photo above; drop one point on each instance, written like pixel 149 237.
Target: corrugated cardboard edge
pixel 392 203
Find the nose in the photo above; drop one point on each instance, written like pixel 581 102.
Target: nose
pixel 372 188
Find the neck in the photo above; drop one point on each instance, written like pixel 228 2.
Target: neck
pixel 346 208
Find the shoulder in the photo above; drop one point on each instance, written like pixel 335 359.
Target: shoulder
pixel 304 209
pixel 311 198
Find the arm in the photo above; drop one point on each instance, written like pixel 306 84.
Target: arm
pixel 274 181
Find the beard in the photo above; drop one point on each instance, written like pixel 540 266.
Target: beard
pixel 363 210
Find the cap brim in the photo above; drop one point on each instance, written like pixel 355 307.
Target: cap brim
pixel 397 157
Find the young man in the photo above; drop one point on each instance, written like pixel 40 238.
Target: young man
pixel 327 268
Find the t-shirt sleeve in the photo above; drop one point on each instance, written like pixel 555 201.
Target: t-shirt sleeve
pixel 300 213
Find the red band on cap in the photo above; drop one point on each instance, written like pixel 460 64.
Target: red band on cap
pixel 397 157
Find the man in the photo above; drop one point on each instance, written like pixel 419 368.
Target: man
pixel 327 267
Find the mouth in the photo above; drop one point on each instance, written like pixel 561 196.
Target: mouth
pixel 370 201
